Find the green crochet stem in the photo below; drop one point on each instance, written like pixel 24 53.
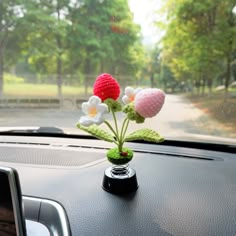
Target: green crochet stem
pixel 120 154
pixel 120 137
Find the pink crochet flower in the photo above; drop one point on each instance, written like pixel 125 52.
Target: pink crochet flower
pixel 148 102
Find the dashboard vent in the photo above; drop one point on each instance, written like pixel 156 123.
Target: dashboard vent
pixel 25 143
pixel 47 154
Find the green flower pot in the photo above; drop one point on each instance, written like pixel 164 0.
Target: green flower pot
pixel 119 158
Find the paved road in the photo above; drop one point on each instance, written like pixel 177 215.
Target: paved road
pixel 177 116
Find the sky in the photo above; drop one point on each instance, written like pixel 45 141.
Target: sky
pixel 234 9
pixel 145 14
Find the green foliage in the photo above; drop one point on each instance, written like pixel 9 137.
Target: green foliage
pixel 9 35
pixel 146 135
pixel 200 37
pixel 107 40
pixel 168 80
pixel 11 79
pixel 97 132
pixel 15 87
pixel 45 28
pixel 59 37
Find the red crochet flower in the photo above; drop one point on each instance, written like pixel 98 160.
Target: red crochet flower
pixel 106 86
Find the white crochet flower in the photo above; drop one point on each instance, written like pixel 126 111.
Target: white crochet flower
pixel 94 111
pixel 130 94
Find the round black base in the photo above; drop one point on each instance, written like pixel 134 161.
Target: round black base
pixel 120 184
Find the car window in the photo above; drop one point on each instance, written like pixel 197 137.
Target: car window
pixel 52 51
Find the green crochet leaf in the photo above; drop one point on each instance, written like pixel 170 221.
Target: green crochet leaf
pixel 146 135
pixel 97 132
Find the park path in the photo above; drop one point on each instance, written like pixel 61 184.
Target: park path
pixel 177 117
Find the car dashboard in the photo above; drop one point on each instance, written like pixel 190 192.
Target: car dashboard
pixel 183 189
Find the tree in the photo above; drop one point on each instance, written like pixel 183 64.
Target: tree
pixel 227 27
pixel 107 40
pixel 10 12
pixel 84 37
pixel 199 35
pixel 45 28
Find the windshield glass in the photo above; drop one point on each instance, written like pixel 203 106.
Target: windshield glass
pixel 52 51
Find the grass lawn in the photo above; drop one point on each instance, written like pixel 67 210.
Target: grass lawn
pixel 40 90
pixel 218 108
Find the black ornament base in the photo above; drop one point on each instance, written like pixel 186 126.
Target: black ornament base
pixel 120 183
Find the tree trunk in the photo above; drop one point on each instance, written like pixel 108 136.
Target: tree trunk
pixel 209 85
pixel 102 67
pixel 113 69
pixel 59 76
pixel 203 83
pixel 1 73
pixel 152 80
pixel 227 77
pixel 136 82
pixel 59 60
pixel 231 23
pixel 87 74
pixel 59 67
pixel 197 85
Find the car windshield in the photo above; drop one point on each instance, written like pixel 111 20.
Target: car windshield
pixel 52 51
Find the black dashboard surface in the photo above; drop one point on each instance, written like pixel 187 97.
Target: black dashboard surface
pixel 182 191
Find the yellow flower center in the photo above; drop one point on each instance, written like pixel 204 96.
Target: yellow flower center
pixel 93 111
pixel 131 98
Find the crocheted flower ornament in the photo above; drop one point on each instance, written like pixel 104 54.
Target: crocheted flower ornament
pixel 106 86
pixel 149 102
pixel 139 104
pixel 94 111
pixel 130 94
